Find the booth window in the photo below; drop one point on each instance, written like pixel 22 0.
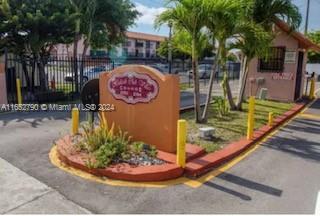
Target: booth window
pixel 275 62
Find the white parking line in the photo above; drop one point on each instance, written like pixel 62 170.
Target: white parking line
pixel 318 205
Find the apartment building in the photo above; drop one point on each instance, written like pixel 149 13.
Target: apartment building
pixel 136 45
pixel 140 45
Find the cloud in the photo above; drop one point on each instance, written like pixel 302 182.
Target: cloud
pixel 148 14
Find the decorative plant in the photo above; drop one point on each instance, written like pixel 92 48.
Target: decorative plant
pixel 106 146
pixel 223 107
pixel 153 152
pixel 137 147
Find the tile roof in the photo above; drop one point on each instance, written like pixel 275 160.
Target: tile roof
pixel 306 42
pixel 144 36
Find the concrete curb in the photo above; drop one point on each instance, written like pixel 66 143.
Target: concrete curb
pixel 206 163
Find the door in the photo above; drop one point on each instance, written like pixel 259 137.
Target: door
pixel 299 76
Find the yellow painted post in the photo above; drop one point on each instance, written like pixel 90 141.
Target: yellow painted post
pixel 181 143
pixel 270 119
pixel 251 118
pixel 75 121
pixel 312 94
pixel 19 96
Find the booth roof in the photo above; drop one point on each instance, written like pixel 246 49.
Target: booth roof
pixel 306 43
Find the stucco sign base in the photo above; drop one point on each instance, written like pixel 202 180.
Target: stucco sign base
pixel 146 103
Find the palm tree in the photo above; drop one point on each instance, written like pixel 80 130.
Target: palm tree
pixel 264 13
pixel 225 19
pixel 255 42
pixel 188 16
pixel 182 41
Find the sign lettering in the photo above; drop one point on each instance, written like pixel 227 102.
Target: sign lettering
pixel 133 88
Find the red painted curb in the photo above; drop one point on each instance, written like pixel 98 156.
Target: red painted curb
pixel 124 172
pixel 204 164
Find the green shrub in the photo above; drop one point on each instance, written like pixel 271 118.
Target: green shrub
pixel 137 148
pixel 222 106
pixel 106 146
pixel 153 152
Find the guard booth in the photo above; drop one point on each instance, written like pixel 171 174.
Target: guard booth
pixel 282 76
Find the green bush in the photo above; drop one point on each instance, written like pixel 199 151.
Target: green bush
pixel 223 107
pixel 137 147
pixel 105 146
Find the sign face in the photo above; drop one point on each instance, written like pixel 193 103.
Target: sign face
pixel 282 76
pixel 133 88
pixel 290 57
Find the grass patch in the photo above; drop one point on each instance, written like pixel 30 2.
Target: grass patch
pixel 232 126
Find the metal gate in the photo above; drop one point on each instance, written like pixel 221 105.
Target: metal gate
pixel 50 80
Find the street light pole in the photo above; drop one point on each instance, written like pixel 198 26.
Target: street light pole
pixel 170 48
pixel 307 18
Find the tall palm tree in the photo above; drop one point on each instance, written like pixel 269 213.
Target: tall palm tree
pixel 188 16
pixel 225 19
pixel 264 13
pixel 255 42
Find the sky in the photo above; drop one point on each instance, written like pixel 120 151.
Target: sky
pixel 151 8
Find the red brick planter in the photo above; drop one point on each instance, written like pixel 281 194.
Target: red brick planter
pixel 125 172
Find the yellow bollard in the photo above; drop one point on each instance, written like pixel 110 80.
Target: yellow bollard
pixel 19 96
pixel 312 94
pixel 270 123
pixel 251 118
pixel 75 121
pixel 181 143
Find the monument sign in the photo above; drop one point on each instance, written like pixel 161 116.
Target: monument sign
pixel 146 103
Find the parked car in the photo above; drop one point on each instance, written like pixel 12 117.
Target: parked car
pixel 160 68
pixel 205 71
pixel 164 68
pixel 88 73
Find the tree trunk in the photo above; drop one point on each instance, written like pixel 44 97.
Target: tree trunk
pixel 225 83
pixel 196 82
pixel 26 73
pixel 42 74
pixel 243 82
pixel 83 58
pixel 229 95
pixel 209 94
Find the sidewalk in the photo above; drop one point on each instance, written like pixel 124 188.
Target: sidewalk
pixel 22 194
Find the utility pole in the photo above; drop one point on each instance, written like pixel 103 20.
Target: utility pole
pixel 307 18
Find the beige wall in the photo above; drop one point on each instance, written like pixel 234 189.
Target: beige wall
pixel 278 89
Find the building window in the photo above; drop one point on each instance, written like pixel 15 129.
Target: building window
pixel 127 44
pixel 139 44
pixel 275 62
pixel 148 44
